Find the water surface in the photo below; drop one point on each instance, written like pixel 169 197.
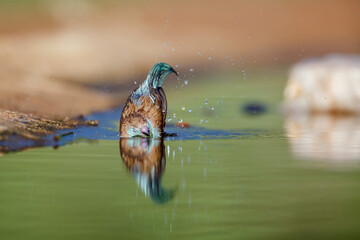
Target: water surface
pixel 236 176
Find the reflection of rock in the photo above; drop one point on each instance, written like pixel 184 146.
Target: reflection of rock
pixel 327 85
pixel 324 137
pixel 145 159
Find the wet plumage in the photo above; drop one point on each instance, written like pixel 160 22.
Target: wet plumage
pixel 145 111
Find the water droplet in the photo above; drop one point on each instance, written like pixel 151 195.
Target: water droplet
pixel 206 103
pixel 213 108
pixel 180 120
pixel 206 120
pixel 209 58
pixel 186 82
pixel 169 119
pixel 135 82
pixel 183 108
pixel 190 110
pixel 191 69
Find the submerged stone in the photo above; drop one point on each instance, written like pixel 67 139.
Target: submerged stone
pixel 254 108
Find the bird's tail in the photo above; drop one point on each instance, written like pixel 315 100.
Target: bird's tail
pixel 158 73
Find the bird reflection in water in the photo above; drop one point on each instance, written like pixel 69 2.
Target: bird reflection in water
pixel 145 159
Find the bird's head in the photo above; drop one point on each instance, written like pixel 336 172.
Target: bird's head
pixel 138 126
pixel 138 131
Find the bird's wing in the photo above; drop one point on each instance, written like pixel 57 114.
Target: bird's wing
pixel 164 104
pixel 157 111
pixel 152 106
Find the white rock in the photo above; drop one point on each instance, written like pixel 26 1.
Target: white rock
pixel 325 85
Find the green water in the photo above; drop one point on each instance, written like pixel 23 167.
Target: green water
pixel 246 187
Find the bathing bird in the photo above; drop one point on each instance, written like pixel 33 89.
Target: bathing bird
pixel 144 114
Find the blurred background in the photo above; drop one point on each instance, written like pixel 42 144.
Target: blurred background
pixel 270 91
pixel 65 58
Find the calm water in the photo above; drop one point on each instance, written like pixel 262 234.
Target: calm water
pixel 296 181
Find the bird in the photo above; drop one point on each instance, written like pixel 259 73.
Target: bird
pixel 144 114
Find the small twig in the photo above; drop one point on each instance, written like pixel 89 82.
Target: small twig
pixel 58 137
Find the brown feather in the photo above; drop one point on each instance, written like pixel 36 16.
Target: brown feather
pixel 164 105
pixel 155 112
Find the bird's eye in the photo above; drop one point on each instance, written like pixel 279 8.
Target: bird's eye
pixel 134 130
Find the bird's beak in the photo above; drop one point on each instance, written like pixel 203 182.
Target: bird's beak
pixel 145 131
pixel 173 70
